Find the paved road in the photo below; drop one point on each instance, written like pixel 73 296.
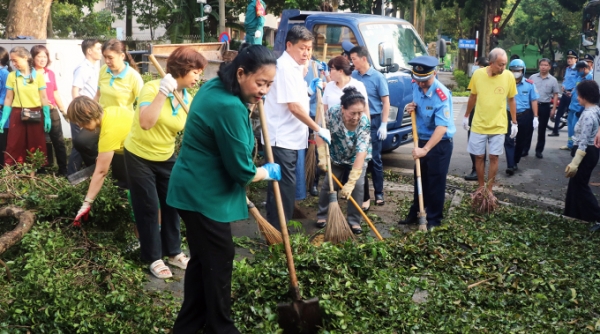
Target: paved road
pixel 538 177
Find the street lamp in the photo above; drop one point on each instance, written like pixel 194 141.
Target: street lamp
pixel 204 9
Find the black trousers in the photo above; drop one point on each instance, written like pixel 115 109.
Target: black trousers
pixel 3 138
pixel 207 285
pixel 514 147
pixel 287 185
pixel 75 161
pixel 87 145
pixel 580 201
pixel 434 170
pixel 148 183
pixel 58 142
pixel 562 107
pixel 543 117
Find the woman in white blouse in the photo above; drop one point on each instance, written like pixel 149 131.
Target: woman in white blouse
pixel 340 71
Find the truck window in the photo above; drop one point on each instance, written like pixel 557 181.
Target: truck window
pixel 405 39
pixel 333 35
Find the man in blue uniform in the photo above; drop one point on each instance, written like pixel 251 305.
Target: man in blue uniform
pixel 432 103
pixel 527 116
pixel 584 72
pixel 567 86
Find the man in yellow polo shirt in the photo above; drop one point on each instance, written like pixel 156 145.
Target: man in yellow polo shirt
pixel 491 88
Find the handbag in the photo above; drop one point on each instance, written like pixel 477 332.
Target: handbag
pixel 28 115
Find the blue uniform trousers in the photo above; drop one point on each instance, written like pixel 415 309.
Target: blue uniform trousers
pixel 375 165
pixel 300 177
pixel 562 107
pixel 571 121
pixel 514 147
pixel 434 170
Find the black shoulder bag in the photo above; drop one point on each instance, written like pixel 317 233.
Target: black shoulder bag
pixel 28 115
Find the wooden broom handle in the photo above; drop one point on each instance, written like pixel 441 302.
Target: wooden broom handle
pixel 360 210
pixel 162 74
pixel 280 212
pixel 413 119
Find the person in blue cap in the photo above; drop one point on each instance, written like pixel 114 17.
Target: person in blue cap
pixel 588 58
pixel 527 116
pixel 575 109
pixel 567 86
pixel 432 103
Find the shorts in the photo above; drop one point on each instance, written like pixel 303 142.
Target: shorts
pixel 478 141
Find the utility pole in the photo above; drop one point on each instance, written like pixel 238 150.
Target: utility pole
pixel 222 16
pixel 485 30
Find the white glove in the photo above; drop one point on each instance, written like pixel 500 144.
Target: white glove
pixel 466 124
pixel 325 135
pixel 513 130
pixel 167 84
pixel 536 122
pixel 257 34
pixel 382 132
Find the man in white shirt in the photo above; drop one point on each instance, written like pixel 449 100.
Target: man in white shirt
pixel 287 110
pixel 85 82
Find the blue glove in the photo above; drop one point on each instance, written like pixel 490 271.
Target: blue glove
pixel 314 84
pixel 5 115
pixel 273 172
pixel 323 67
pixel 382 132
pixel 47 120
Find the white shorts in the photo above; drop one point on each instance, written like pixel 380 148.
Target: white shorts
pixel 478 141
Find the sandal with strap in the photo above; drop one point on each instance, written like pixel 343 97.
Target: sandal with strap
pixel 179 261
pixel 157 267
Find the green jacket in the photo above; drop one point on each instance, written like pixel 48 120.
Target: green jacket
pixel 215 162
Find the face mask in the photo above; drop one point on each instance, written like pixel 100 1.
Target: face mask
pixel 517 75
pixel 581 73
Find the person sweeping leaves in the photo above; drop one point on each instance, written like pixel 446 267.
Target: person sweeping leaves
pixel 350 150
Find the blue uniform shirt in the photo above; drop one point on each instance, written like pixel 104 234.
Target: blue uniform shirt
pixel 3 77
pixel 313 99
pixel 377 87
pixel 433 109
pixel 570 78
pixel 526 94
pixel 575 106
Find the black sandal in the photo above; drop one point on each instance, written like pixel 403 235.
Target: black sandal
pixel 379 200
pixel 321 224
pixel 356 230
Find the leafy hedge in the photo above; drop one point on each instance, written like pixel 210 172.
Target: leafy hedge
pixel 462 80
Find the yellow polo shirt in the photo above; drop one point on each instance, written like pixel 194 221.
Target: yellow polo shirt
pixel 158 143
pixel 490 118
pixel 114 128
pixel 119 90
pixel 27 94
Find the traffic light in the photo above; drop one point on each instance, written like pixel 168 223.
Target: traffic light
pixel 496 29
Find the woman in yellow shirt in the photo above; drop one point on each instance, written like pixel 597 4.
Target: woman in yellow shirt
pixel 113 125
pixel 25 89
pixel 149 158
pixel 119 82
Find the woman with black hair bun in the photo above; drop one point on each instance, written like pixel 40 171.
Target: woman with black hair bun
pixel 216 156
pixel 350 151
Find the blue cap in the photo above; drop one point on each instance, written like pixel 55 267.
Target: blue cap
pixel 588 57
pixel 347 46
pixel 423 67
pixel 571 53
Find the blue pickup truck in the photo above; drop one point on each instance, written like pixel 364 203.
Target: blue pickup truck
pixel 391 42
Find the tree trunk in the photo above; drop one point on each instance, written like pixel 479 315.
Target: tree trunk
pixel 222 16
pixel 335 4
pixel 413 13
pixel 28 18
pixel 26 221
pixel 49 28
pixel 512 11
pixel 129 19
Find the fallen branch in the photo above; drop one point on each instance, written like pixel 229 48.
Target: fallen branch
pixel 26 220
pixel 480 282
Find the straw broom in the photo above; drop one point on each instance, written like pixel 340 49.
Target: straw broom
pixel 271 234
pixel 337 229
pixel 310 170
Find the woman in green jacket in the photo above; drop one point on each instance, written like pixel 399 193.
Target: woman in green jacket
pixel 207 185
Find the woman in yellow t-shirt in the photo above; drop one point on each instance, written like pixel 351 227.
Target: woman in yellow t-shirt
pixel 25 89
pixel 113 125
pixel 119 82
pixel 149 157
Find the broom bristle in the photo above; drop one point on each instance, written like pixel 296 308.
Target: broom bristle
pixel 337 230
pixel 271 234
pixel 310 163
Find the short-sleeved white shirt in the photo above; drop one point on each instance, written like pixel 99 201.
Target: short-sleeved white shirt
pixel 85 77
pixel 333 93
pixel 285 130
